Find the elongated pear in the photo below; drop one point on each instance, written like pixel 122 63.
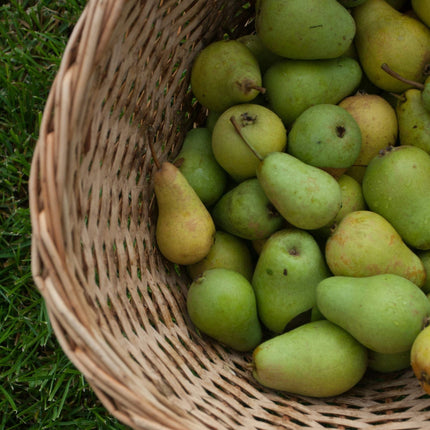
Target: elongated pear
pixel 396 185
pixel 317 359
pixel 185 229
pixel 385 313
pixel 306 196
pixel 287 272
pixel 221 303
pixel 385 35
pixel 365 244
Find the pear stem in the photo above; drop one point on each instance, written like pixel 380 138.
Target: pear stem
pixel 401 78
pixel 237 128
pixel 154 156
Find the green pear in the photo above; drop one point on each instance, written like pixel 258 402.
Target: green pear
pixel 225 73
pixel 386 363
pixel 264 56
pixel 304 29
pixel 325 135
pixel 221 304
pixel 317 359
pixel 396 185
pixel 246 212
pixel 261 128
pixel 365 244
pixel 185 229
pixel 384 312
pixel 293 85
pixel 287 272
pixel 211 119
pixel 422 9
pixel 414 120
pixel 385 35
pixel 229 252
pixel 197 163
pixel 306 196
pixel 424 256
pixel 378 125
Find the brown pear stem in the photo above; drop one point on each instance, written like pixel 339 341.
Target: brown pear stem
pixel 400 97
pixel 154 156
pixel 401 78
pixel 237 128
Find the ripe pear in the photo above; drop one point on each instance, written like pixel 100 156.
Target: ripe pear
pixel 420 358
pixel 306 196
pixel 197 163
pixel 396 185
pixel 292 86
pixel 385 35
pixel 221 303
pixel 378 124
pixel 386 363
pixel 364 244
pixel 304 29
pixel 414 120
pixel 289 268
pixel 229 252
pixel 325 135
pixel 225 73
pixel 261 128
pixel 246 212
pixel 317 359
pixel 185 229
pixel 422 9
pixel 384 312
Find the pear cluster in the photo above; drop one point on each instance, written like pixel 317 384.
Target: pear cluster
pixel 301 208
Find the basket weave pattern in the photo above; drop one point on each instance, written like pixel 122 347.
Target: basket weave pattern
pixel 116 305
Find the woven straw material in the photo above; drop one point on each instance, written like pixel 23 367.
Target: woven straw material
pixel 116 305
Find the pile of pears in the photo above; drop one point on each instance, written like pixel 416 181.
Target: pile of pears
pixel 301 207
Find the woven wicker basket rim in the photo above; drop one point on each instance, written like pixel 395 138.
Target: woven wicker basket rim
pixel 116 305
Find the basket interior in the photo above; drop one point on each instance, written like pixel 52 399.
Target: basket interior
pixel 117 306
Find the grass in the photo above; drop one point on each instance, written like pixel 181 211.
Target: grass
pixel 39 387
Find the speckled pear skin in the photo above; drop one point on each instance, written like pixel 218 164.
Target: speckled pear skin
pixel 385 313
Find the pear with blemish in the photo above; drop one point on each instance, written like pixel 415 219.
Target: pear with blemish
pixel 365 244
pixel 185 229
pixel 287 272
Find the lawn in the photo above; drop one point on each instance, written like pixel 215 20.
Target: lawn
pixel 40 388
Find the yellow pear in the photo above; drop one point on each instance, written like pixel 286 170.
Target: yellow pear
pixel 420 357
pixel 422 9
pixel 378 124
pixel 385 35
pixel 185 230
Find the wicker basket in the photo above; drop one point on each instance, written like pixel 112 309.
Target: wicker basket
pixel 116 305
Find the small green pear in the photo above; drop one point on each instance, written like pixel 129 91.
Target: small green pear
pixel 384 313
pixel 396 185
pixel 229 252
pixel 364 244
pixel 317 359
pixel 325 135
pixel 306 196
pixel 246 212
pixel 414 120
pixel 225 73
pixel 287 272
pixel 385 35
pixel 185 229
pixel 197 163
pixel 304 29
pixel 221 303
pixel 386 363
pixel 292 86
pixel 259 126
